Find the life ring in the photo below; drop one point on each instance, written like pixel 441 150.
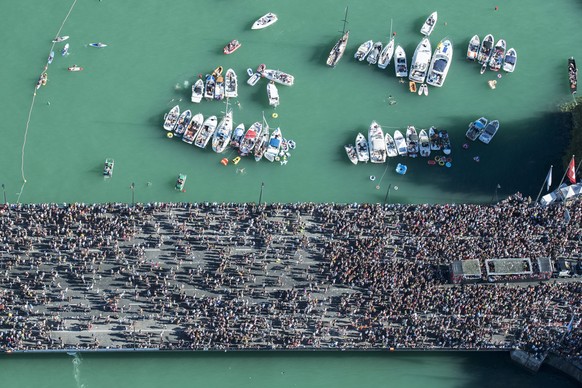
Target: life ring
pixel 277 158
pixel 441 163
pixel 292 144
pixel 448 164
pixel 431 162
pixel 437 158
pixel 466 146
pixel 372 177
pixel 169 135
pixel 499 76
pixel 275 115
pixel 449 159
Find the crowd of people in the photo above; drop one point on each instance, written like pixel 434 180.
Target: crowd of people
pixel 283 276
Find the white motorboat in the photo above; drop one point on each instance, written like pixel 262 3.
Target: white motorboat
pixel 171 118
pixel 400 65
pixel 219 88
pixel 440 63
pixel 476 128
pixel 206 132
pixel 445 141
pixel 412 141
pixel 496 60
pixel 420 61
pixel 489 131
pixel 279 77
pixel 372 57
pixel 193 128
pixel 351 152
pixel 262 143
pixel 253 79
pixel 429 24
pixel 400 143
pixel 391 149
pixel 237 135
pixel 265 21
pixel 486 49
pixel 473 48
pixel 424 145
pixel 274 145
pixel 364 50
pixel 209 86
pixel 230 84
pixel 386 55
pixel 182 122
pixel 376 143
pixel 510 60
pixel 221 137
pixel 197 91
pixel 250 139
pixel 435 141
pixel 362 148
pixel 273 94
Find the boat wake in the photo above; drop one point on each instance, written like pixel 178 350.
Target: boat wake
pixel 77 362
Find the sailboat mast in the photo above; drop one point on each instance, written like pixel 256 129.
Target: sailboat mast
pixel 345 21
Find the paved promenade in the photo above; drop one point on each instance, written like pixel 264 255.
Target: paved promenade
pixel 321 276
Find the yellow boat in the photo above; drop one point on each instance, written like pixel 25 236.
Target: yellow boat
pixel 236 160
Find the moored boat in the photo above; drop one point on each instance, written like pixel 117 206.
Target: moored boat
pixel 253 79
pixel 473 49
pixel 262 143
pixel 237 135
pixel 351 152
pixel 230 84
pixel 59 39
pixel 362 148
pixel 250 139
pixel 51 57
pixel 231 47
pixel 372 57
pixel 412 141
pixel 273 94
pixel 400 143
pixel 171 118
pixel 435 141
pixel 400 66
pixel 274 145
pixel 264 21
pixel 440 63
pixel 205 133
pixel 338 50
pixel 209 86
pixel 180 182
pixel 65 50
pixel 182 122
pixel 197 90
pixel 510 60
pixel 221 137
pixel 424 144
pixel 98 45
pixel 445 141
pixel 489 131
pixel 217 72
pixel 391 149
pixel 420 61
pixel 572 75
pixel 476 128
pixel 496 60
pixel 75 68
pixel 193 128
pixel 364 50
pixel 376 143
pixel 486 49
pixel 219 88
pixel 279 77
pixel 429 24
pixel 412 86
pixel 386 54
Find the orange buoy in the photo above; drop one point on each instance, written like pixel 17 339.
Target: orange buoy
pixel 224 161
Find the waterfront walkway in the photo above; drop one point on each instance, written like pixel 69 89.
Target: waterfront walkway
pixel 295 276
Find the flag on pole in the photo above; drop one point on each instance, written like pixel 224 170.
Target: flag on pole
pixel 549 179
pixel 571 172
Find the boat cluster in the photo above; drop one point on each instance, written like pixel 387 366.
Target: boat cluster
pixel 274 76
pixel 482 129
pixel 256 140
pixel 490 54
pixel 379 146
pixel 215 86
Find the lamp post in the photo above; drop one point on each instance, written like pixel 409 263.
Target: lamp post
pixel 261 193
pixel 132 193
pixel 388 194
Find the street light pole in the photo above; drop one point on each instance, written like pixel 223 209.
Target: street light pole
pixel 261 194
pixel 132 193
pixel 387 194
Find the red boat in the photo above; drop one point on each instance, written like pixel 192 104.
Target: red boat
pixel 75 68
pixel 231 47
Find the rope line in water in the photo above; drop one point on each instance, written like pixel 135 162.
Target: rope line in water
pixel 32 107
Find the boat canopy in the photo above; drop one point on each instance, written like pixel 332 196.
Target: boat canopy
pixel 479 124
pixel 275 142
pixel 440 65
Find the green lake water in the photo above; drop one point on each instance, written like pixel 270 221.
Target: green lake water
pixel 114 109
